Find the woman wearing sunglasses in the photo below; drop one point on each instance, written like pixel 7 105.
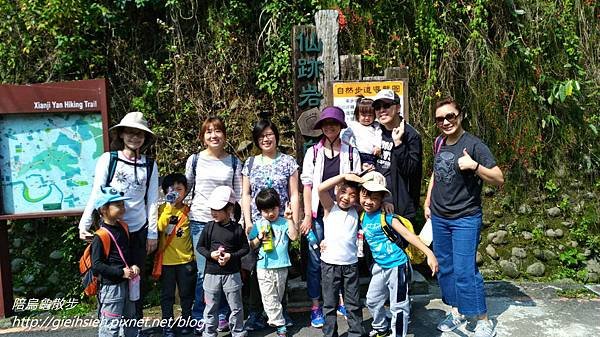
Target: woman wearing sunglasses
pixel 462 163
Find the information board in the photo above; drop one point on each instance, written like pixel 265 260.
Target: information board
pixel 345 94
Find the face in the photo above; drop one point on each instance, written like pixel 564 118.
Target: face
pixel 113 210
pixel 270 214
pixel 267 140
pixel 346 197
pixel 386 112
pixel 370 202
pixel 221 215
pixel 448 119
pixel 133 138
pixel 214 138
pixel 366 118
pixel 181 191
pixel 331 128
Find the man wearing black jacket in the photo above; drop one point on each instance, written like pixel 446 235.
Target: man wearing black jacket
pixel 401 155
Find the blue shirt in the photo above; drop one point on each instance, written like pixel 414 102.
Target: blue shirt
pixel 385 253
pixel 278 257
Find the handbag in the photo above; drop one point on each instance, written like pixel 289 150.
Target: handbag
pixel 158 257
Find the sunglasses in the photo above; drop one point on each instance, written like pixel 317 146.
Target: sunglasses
pixel 382 105
pixel 451 117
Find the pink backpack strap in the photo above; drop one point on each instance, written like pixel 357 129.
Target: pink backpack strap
pixel 118 248
pixel 437 144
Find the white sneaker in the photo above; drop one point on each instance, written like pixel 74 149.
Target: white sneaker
pixel 451 322
pixel 484 328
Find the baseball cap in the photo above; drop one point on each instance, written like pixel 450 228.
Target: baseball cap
pixel 387 95
pixel 375 182
pixel 220 196
pixel 108 194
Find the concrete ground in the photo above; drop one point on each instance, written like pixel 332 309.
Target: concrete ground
pixel 519 310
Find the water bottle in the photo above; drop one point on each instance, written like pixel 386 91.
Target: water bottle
pixel 313 242
pixel 134 288
pixel 267 242
pixel 360 241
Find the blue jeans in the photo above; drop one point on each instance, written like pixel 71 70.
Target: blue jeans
pixel 313 269
pixel 455 244
pixel 198 308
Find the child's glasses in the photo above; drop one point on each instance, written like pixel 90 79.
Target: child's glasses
pixel 450 117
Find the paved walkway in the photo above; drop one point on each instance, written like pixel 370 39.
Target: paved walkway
pixel 519 310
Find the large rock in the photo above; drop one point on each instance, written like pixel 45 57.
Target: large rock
pixel 550 233
pixel 491 251
pixel 536 269
pixel 509 269
pixel 553 212
pixel 558 233
pixel 544 255
pixel 527 235
pixel 592 266
pixel 592 278
pixel 16 265
pixel 500 238
pixel 519 252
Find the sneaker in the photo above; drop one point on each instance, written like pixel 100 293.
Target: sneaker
pixel 451 322
pixel 288 319
pixel 341 311
pixel 199 329
pixel 254 322
pixel 316 318
pixel 281 331
pixel 377 333
pixel 223 325
pixel 484 328
pixel 168 332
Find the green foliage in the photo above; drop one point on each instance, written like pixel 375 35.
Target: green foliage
pixel 571 257
pixel 552 188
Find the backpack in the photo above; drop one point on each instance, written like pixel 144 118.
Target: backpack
pixel 237 209
pixel 413 253
pixel 88 279
pixel 112 166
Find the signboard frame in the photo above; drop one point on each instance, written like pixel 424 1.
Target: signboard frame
pixel 77 97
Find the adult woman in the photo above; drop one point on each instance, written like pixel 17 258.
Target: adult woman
pixel 328 158
pixel 129 170
pixel 268 169
pixel 205 171
pixel 462 163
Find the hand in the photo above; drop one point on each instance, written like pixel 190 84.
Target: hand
pixel 288 213
pixel 306 225
pixel 377 151
pixel 433 264
pixel 322 246
pixel 249 228
pixel 397 133
pixel 151 245
pixel 466 162
pixel 427 212
pixel 353 177
pixel 136 270
pixel 127 273
pixel 224 259
pixel 85 235
pixel 388 207
pixel 215 255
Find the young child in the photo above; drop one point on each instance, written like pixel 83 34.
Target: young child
pixel 364 133
pixel 272 234
pixel 339 263
pixel 223 243
pixel 113 270
pixel 389 279
pixel 178 263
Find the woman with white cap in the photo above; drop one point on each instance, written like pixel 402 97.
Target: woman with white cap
pixel 129 170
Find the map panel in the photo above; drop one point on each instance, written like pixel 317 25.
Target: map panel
pixel 47 161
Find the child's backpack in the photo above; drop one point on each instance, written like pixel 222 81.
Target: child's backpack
pixel 88 279
pixel 414 254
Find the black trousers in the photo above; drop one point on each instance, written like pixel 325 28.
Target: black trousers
pixel 137 253
pixel 184 277
pixel 333 279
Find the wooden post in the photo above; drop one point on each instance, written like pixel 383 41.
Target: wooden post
pixel 327 30
pixel 6 293
pixel 350 67
pixel 395 73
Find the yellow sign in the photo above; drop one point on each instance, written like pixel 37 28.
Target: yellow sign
pixel 346 93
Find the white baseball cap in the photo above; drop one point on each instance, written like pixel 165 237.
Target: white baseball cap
pixel 220 196
pixel 388 96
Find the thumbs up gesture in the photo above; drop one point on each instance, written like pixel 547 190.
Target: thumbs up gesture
pixel 466 162
pixel 397 134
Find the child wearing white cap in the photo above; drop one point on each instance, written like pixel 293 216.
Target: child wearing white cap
pixel 223 243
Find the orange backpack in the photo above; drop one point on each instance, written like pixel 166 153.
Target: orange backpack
pixel 88 279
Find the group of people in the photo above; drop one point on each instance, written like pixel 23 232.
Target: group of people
pixel 363 178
